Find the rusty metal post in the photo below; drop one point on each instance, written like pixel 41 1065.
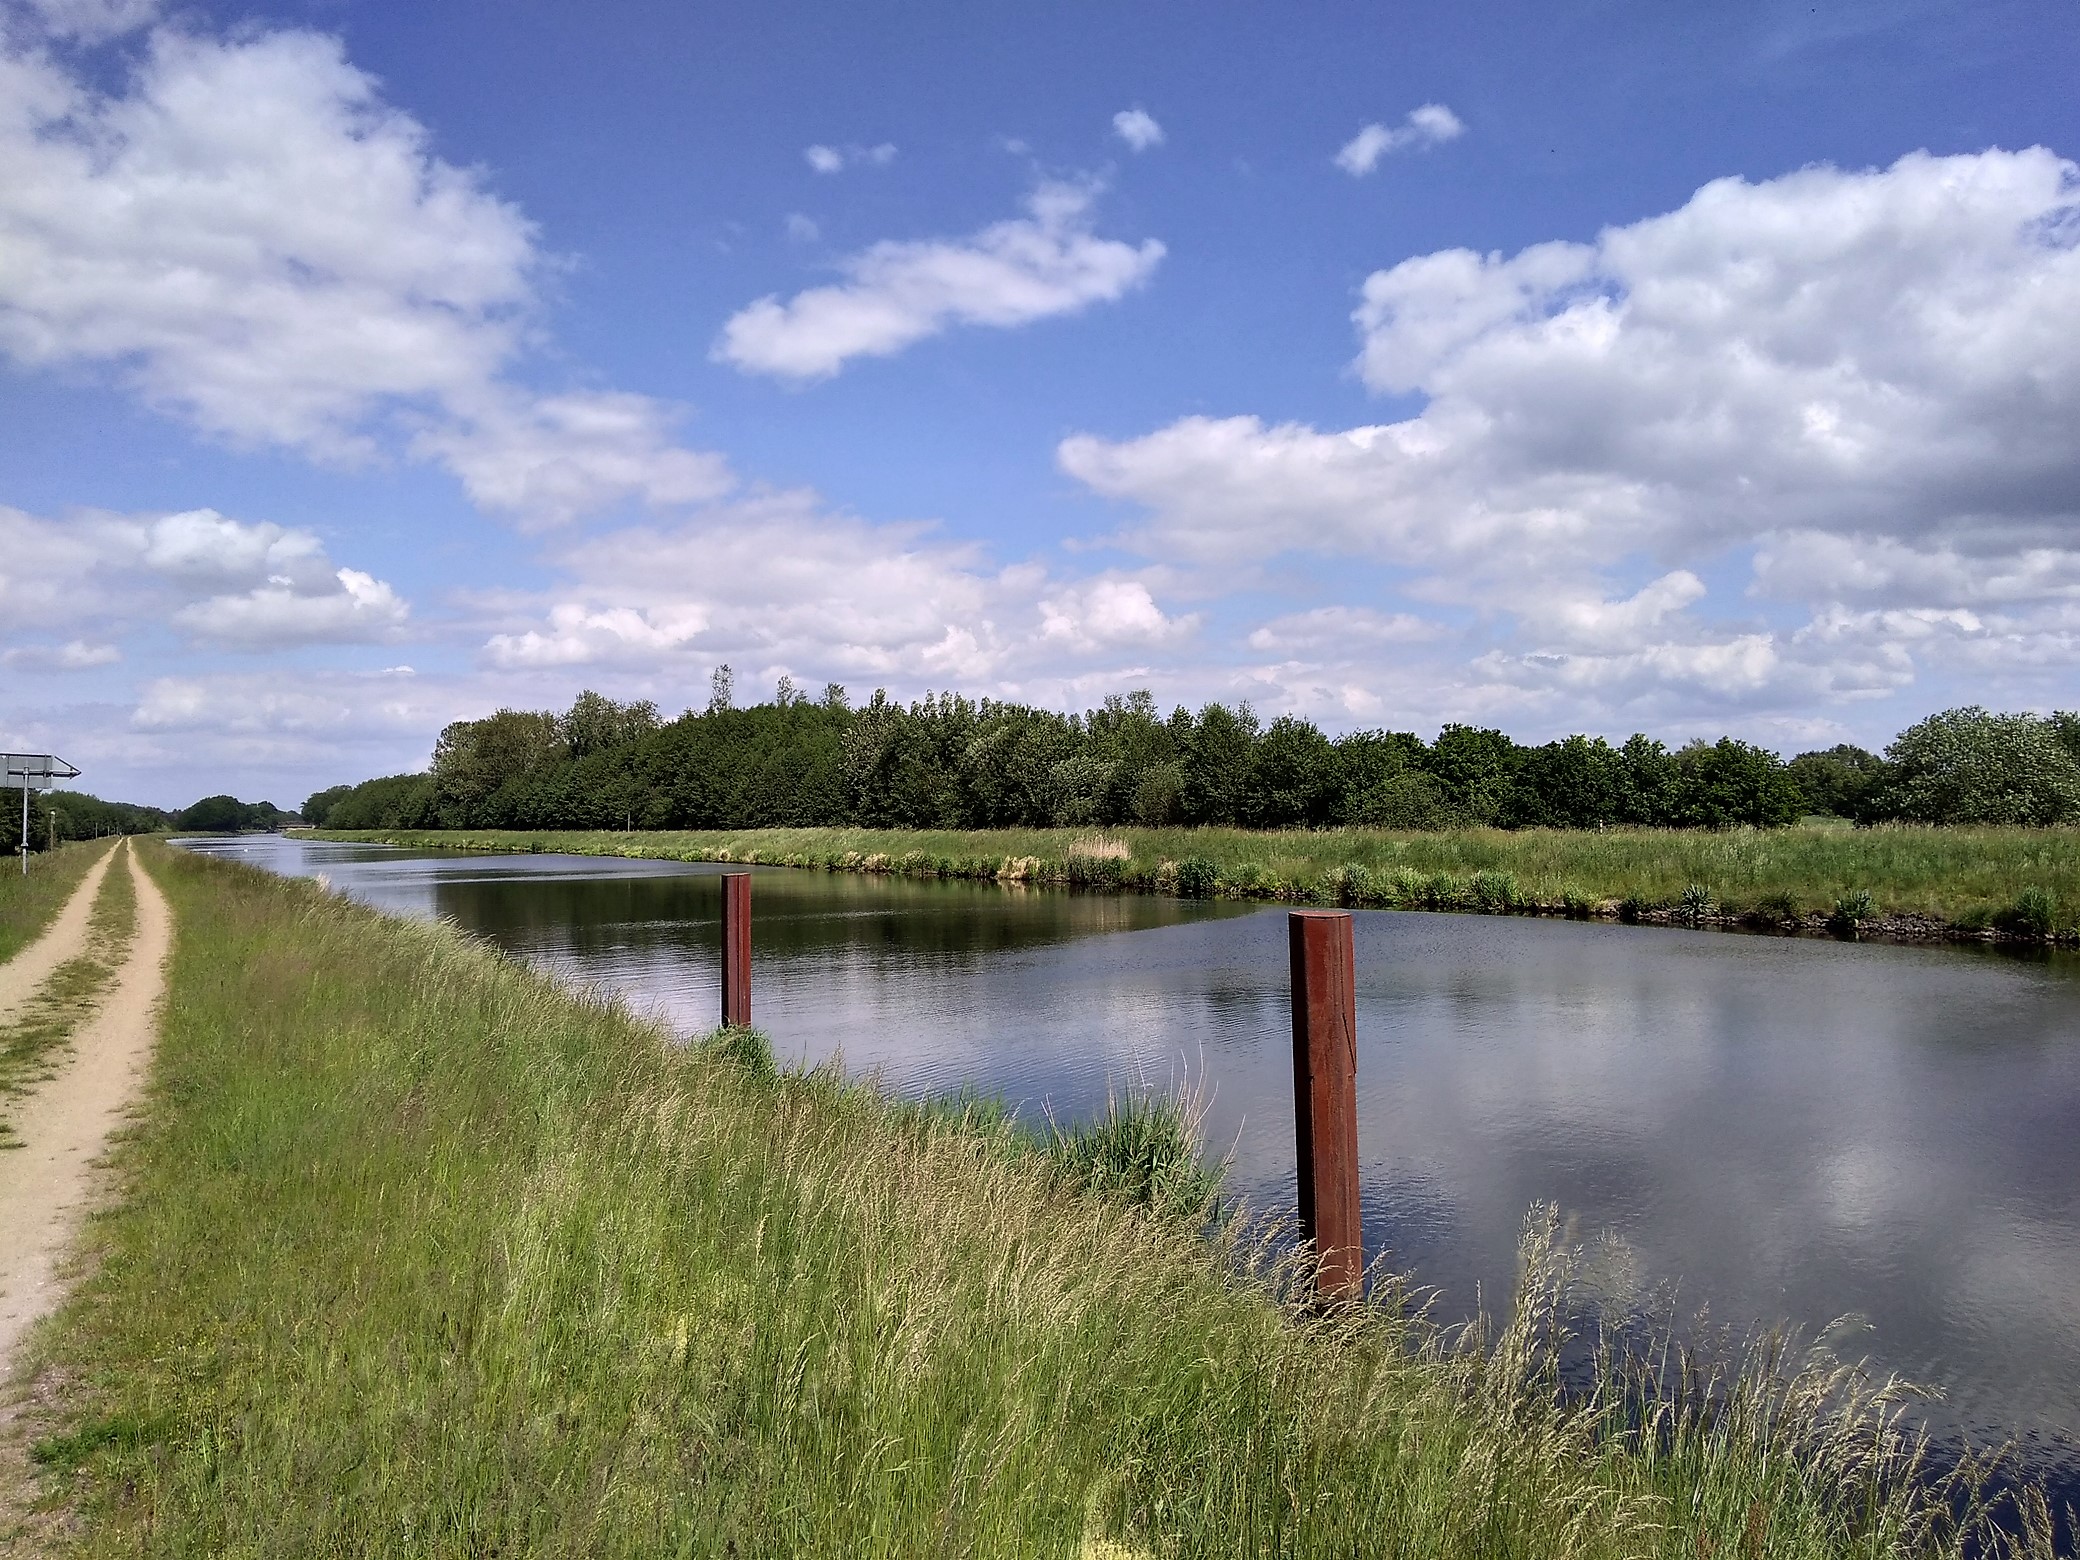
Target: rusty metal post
pixel 736 949
pixel 1325 1094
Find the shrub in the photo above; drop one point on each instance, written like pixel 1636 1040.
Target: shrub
pixel 1197 878
pixel 2031 915
pixel 1494 893
pixel 1851 910
pixel 1695 904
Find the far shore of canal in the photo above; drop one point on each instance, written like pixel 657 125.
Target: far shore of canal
pixel 1892 883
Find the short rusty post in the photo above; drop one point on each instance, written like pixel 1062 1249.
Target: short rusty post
pixel 736 950
pixel 1325 1094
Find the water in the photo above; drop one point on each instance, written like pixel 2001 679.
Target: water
pixel 1789 1131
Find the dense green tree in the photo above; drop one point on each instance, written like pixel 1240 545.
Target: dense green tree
pixel 1971 766
pixel 1838 782
pixel 1728 782
pixel 947 761
pixel 1477 768
pixel 1293 778
pixel 318 806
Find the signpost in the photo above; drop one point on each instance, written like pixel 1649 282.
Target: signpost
pixel 39 770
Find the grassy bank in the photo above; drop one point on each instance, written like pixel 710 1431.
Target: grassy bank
pixel 29 904
pixel 1896 880
pixel 30 1040
pixel 418 1254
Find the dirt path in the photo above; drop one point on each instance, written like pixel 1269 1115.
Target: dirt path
pixel 65 1124
pixel 65 938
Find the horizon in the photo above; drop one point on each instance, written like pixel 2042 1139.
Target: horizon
pixel 1587 370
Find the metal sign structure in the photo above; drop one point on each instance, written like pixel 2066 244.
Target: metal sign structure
pixel 40 770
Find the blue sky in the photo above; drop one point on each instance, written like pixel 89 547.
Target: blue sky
pixel 1585 367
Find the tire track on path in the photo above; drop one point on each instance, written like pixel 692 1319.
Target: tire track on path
pixel 63 940
pixel 65 1124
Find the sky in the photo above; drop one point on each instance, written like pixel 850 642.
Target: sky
pixel 1596 366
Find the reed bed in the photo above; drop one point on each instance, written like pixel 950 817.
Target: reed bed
pixel 418 1253
pixel 30 903
pixel 1896 879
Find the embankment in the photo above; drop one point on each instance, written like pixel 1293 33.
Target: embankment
pixel 1899 883
pixel 422 1254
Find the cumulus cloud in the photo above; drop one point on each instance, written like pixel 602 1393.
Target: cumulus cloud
pixel 238 584
pixel 1431 125
pixel 781 582
pixel 93 21
pixel 303 272
pixel 836 159
pixel 895 294
pixel 1138 128
pixel 75 655
pixel 1861 384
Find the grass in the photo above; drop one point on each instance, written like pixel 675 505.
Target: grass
pixel 29 904
pixel 2020 882
pixel 419 1254
pixel 40 1028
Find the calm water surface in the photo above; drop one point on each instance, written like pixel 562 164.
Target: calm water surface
pixel 1783 1130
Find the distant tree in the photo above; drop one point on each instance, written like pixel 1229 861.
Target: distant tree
pixel 595 723
pixel 1216 762
pixel 1477 768
pixel 1293 777
pixel 473 759
pixel 1970 766
pixel 834 697
pixel 1718 785
pixel 722 689
pixel 1575 783
pixel 1374 774
pixel 1837 782
pixel 228 815
pixel 318 806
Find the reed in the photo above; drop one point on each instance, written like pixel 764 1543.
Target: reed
pixel 419 1253
pixel 1917 879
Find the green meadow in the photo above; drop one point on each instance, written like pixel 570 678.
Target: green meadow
pixel 416 1252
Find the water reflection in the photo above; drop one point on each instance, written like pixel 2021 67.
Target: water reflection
pixel 1788 1130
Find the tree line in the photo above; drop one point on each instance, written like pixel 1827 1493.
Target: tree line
pixel 948 761
pixel 72 815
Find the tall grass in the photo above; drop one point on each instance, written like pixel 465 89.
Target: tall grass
pixel 29 904
pixel 418 1254
pixel 2025 881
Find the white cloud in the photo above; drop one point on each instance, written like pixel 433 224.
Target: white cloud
pixel 780 583
pixel 75 655
pixel 1108 612
pixel 553 458
pixel 1138 128
pixel 243 585
pixel 277 614
pixel 93 21
pixel 836 159
pixel 1046 263
pixel 803 230
pixel 1431 125
pixel 302 272
pixel 1341 630
pixel 1861 384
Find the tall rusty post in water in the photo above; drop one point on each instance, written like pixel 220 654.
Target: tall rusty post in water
pixel 736 950
pixel 1325 1094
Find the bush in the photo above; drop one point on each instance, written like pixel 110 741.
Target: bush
pixel 1494 893
pixel 1197 878
pixel 1696 904
pixel 2031 915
